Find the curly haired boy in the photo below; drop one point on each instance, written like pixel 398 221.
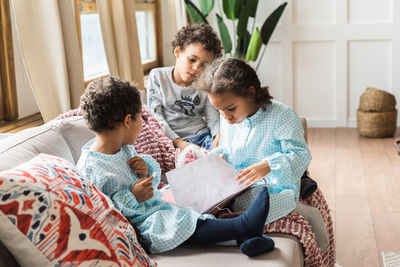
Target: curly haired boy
pixel 185 114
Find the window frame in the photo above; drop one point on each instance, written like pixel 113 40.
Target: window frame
pixel 8 85
pixel 140 5
pixel 89 7
pixel 154 6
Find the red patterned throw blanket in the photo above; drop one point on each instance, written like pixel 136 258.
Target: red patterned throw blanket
pixel 152 141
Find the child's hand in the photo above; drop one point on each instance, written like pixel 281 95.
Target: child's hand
pixel 216 140
pixel 143 189
pixel 253 173
pixel 139 166
pixel 222 156
pixel 181 144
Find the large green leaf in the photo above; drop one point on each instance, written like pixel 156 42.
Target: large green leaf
pixel 252 4
pixel 194 13
pixel 206 6
pixel 243 44
pixel 254 46
pixel 243 20
pixel 270 23
pixel 232 8
pixel 225 36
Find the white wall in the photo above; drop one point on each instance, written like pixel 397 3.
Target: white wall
pixel 25 98
pixel 324 53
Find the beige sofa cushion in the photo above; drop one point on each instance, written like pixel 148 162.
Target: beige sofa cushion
pixel 75 133
pixel 26 144
pixel 287 253
pixel 62 138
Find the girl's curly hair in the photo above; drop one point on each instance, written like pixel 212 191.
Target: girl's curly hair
pixel 106 102
pixel 232 75
pixel 200 33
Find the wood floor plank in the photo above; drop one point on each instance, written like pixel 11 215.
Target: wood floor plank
pixel 387 231
pixel 9 126
pixel 349 166
pixel 355 234
pixel 383 189
pixel 26 126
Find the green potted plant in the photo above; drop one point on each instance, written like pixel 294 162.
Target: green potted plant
pixel 246 45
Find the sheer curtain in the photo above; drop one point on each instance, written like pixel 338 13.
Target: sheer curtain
pixel 50 50
pixel 118 26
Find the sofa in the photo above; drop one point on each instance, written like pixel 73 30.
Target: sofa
pixel 64 139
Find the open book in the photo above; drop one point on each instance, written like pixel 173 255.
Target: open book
pixel 204 183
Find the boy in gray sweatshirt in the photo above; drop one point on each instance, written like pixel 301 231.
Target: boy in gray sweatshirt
pixel 185 114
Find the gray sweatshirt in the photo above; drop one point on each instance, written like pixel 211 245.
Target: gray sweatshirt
pixel 181 111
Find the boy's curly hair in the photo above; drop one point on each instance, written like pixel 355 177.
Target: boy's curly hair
pixel 199 33
pixel 232 75
pixel 106 102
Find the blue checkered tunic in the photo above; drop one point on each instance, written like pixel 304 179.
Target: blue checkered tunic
pixel 274 135
pixel 163 225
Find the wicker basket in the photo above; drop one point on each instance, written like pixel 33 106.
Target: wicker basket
pixel 377 100
pixel 376 124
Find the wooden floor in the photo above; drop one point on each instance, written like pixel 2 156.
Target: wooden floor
pixel 21 124
pixel 360 179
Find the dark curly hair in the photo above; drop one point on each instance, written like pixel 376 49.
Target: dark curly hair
pixel 198 33
pixel 232 75
pixel 106 102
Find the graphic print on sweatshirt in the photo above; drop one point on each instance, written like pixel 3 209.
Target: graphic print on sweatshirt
pixel 186 104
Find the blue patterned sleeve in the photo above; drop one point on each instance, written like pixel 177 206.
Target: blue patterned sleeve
pixel 126 202
pixel 288 165
pixel 154 169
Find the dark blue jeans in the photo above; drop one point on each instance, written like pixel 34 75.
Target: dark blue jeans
pixel 203 140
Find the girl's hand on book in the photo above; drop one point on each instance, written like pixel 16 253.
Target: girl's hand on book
pixel 143 189
pixel 252 174
pixel 139 166
pixel 222 156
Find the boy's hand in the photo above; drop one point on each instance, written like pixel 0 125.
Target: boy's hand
pixel 253 173
pixel 143 189
pixel 139 166
pixel 181 144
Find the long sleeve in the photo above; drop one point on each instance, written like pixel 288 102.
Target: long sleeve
pixel 126 202
pixel 159 115
pixel 292 160
pixel 212 117
pixel 156 107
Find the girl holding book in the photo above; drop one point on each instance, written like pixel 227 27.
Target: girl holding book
pixel 260 137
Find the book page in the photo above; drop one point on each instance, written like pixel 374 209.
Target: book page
pixel 203 183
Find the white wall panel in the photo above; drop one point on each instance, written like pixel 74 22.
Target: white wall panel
pixel 270 70
pixel 370 65
pixel 314 87
pixel 370 11
pixel 314 12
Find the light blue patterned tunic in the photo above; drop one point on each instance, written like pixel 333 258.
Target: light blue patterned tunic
pixel 274 135
pixel 162 224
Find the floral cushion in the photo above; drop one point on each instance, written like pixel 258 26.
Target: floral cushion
pixel 50 215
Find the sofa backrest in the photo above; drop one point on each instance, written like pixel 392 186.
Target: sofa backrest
pixel 63 138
